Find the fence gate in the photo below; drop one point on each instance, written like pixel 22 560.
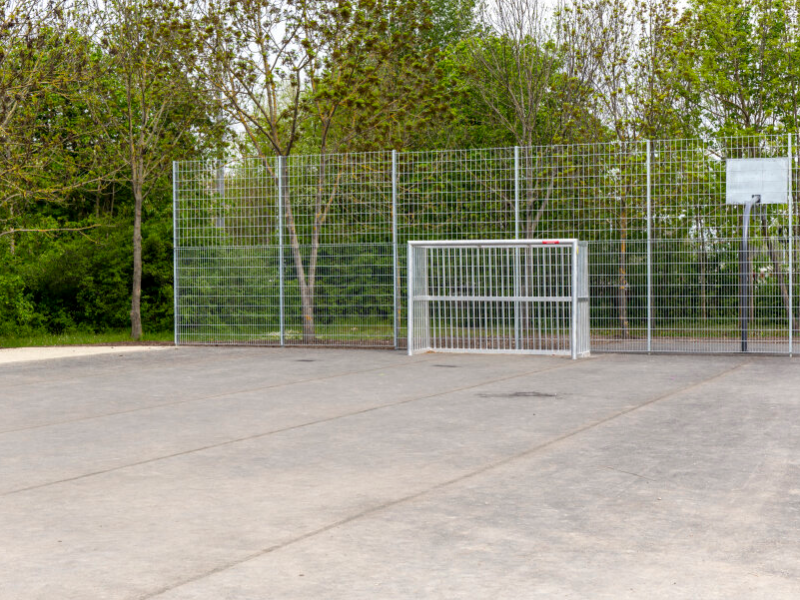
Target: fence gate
pixel 527 296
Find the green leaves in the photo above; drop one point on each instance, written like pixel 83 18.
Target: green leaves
pixel 739 61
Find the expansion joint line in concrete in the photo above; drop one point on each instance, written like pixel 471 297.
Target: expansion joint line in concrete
pixel 445 484
pixel 286 429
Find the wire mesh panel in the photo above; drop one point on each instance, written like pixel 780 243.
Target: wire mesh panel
pixel 696 252
pixel 597 193
pixel 499 296
pixel 286 251
pixel 338 232
pixel 226 253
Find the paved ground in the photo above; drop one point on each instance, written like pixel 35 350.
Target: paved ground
pixel 227 473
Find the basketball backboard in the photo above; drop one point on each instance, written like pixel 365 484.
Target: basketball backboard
pixel 751 177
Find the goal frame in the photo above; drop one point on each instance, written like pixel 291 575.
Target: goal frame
pixel 579 336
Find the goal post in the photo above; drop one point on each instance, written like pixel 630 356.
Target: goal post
pixel 499 296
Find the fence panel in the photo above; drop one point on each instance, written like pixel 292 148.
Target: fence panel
pixel 227 253
pixel 696 246
pixel 338 232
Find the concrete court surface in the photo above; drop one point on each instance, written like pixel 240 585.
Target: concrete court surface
pixel 247 473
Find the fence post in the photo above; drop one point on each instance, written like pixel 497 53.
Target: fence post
pixel 573 334
pixel 281 309
pixel 517 265
pixel 395 259
pixel 411 267
pixel 791 247
pixel 649 253
pixel 516 192
pixel 176 315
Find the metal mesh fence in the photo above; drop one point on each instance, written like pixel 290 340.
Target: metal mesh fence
pixel 312 249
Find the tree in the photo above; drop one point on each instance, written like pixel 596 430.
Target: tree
pixel 45 139
pixel 518 68
pixel 735 61
pixel 522 75
pixel 517 76
pixel 630 50
pixel 144 102
pixel 327 74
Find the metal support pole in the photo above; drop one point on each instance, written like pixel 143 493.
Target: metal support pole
pixel 791 247
pixel 516 192
pixel 175 314
pixel 649 253
pixel 745 271
pixel 395 260
pixel 410 275
pixel 517 265
pixel 573 334
pixel 282 316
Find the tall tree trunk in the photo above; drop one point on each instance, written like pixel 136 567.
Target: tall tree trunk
pixel 622 291
pixel 308 314
pixel 320 213
pixel 307 285
pixel 136 291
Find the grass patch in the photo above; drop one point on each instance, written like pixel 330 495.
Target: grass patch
pixel 78 338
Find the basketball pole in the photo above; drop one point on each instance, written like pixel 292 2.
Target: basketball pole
pixel 744 270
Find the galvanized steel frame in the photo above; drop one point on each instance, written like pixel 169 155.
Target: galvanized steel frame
pixel 476 283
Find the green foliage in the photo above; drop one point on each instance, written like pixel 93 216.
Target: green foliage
pixel 234 292
pixel 79 283
pixel 739 63
pixel 19 339
pixel 356 288
pixel 16 308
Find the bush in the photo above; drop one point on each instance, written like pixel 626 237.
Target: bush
pixel 84 284
pixel 17 314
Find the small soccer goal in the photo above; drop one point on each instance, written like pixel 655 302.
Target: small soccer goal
pixel 520 296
